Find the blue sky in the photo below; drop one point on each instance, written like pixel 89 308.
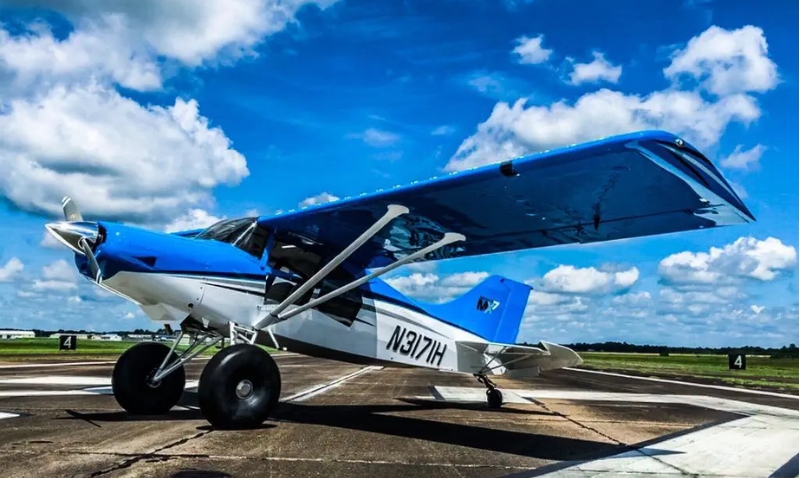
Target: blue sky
pixel 175 115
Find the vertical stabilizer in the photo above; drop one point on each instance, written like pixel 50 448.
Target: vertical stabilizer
pixel 492 310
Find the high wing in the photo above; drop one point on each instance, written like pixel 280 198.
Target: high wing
pixel 640 184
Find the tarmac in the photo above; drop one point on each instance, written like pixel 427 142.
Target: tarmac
pixel 338 419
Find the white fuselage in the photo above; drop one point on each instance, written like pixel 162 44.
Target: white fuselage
pixel 383 332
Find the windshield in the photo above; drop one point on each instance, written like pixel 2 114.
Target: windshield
pixel 231 231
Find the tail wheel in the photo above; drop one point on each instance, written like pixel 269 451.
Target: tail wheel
pixel 131 382
pixel 494 398
pixel 239 387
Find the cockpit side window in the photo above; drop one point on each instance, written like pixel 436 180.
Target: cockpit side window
pixel 243 233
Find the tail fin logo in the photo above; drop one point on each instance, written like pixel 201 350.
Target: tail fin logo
pixel 487 306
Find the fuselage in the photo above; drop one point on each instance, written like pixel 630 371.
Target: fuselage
pixel 172 277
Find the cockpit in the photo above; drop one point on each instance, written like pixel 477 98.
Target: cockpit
pixel 243 233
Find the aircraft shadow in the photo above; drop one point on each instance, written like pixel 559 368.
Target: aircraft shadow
pixel 374 418
pixel 377 419
pixel 426 404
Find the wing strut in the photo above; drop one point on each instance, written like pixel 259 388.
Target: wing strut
pixel 448 238
pixel 271 317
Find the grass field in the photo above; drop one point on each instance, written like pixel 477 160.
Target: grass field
pixel 761 372
pixel 20 349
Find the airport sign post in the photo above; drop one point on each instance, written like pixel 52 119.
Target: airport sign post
pixel 737 361
pixel 67 342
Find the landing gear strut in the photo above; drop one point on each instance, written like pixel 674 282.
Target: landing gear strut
pixel 494 398
pixel 149 378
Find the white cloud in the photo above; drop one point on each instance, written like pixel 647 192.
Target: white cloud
pixel 433 288
pixel 193 219
pixel 58 276
pixel 597 70
pixel 377 138
pixel 66 130
pixel 757 309
pixel 101 49
pixel 747 257
pixel 185 30
pixel 115 157
pixel 727 61
pixel 320 198
pixel 443 130
pixel 486 84
pixel 516 129
pixel 744 160
pixel 587 280
pixel 50 242
pixel 53 285
pixel 537 297
pixel 531 51
pixel 59 270
pixel 11 269
pixel 632 299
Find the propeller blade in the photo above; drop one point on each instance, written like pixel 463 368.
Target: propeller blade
pixel 71 211
pixel 93 265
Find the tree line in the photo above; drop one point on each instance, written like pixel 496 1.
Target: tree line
pixel 790 351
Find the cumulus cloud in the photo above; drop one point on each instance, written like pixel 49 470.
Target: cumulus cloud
pixel 65 129
pixel 115 157
pixel 58 276
pixel 433 288
pixel 11 269
pixel 632 299
pixel 745 258
pixel 567 279
pixel 50 242
pixel 193 219
pixel 514 129
pixel 744 160
pixel 36 57
pixel 185 30
pixel 377 138
pixel 726 61
pixel 320 198
pixel 597 70
pixel 530 51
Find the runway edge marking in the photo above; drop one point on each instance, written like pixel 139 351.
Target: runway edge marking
pixel 692 384
pixel 325 387
pixel 759 443
pixel 107 362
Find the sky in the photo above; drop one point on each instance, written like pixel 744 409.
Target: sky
pixel 176 114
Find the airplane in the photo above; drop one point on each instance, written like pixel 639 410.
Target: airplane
pixel 308 280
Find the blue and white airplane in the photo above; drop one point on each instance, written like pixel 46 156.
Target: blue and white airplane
pixel 307 281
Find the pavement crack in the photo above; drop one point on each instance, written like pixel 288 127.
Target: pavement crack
pixel 583 425
pixel 154 455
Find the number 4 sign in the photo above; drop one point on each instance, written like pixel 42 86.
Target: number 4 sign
pixel 737 361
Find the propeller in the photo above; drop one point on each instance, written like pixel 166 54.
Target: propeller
pixel 71 211
pixel 77 234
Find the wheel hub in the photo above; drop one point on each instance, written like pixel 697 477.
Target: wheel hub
pixel 244 389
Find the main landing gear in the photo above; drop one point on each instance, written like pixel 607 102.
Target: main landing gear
pixel 239 387
pixel 494 398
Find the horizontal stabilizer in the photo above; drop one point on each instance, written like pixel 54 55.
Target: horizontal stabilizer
pixel 514 361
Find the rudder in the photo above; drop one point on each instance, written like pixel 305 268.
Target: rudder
pixel 492 310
